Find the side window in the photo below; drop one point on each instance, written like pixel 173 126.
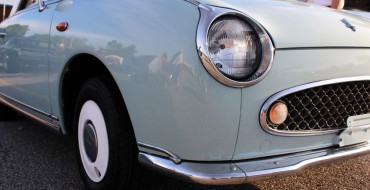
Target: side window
pixel 25 3
pixel 5 11
pixel 29 2
pixel 11 7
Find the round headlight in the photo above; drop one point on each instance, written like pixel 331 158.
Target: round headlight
pixel 234 47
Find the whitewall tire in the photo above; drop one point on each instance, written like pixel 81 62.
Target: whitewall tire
pixel 106 148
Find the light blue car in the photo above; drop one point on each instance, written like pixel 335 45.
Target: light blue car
pixel 209 91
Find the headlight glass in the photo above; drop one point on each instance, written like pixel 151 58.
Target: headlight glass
pixel 234 47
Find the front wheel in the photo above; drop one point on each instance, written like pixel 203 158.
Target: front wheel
pixel 106 147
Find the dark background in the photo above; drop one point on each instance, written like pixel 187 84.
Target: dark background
pixel 357 4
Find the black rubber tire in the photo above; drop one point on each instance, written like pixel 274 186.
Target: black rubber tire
pixel 123 167
pixel 6 113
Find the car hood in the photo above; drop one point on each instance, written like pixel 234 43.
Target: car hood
pixel 294 24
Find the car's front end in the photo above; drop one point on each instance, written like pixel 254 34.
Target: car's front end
pixel 210 91
pixel 303 77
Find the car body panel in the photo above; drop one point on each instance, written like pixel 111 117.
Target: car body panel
pixel 158 78
pixel 293 24
pixel 318 65
pixel 25 76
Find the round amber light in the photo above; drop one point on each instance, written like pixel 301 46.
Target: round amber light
pixel 278 113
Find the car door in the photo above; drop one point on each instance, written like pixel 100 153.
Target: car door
pixel 24 58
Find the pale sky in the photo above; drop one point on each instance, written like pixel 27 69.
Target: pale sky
pixel 8 2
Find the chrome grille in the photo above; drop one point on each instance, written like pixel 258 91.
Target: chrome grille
pixel 325 107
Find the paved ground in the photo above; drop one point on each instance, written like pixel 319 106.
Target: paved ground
pixel 34 158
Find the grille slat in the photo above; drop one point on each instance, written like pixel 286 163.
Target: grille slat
pixel 325 107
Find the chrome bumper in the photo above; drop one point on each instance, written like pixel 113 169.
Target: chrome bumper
pixel 238 172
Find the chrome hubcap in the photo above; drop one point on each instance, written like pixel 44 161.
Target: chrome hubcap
pixel 90 141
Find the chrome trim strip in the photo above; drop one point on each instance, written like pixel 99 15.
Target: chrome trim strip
pixel 12 104
pixel 54 117
pixel 42 5
pixel 176 159
pixel 329 156
pixel 272 99
pixel 231 173
pixel 201 173
pixel 321 48
pixel 194 2
pixel 208 15
pixel 30 107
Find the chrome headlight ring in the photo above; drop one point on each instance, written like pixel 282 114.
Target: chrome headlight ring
pixel 208 15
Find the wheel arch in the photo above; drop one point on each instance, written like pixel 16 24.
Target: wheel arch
pixel 72 78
